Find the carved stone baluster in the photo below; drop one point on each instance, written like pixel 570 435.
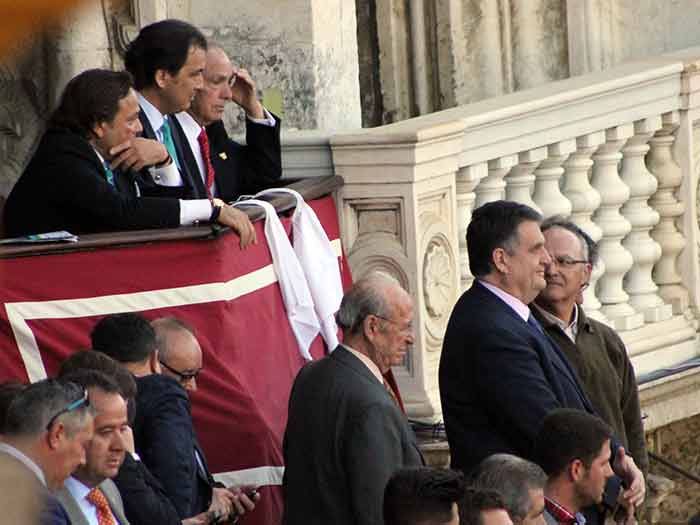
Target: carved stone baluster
pixel 614 193
pixel 467 179
pixel 547 194
pixel 584 201
pixel 645 250
pixel 493 186
pixel 519 182
pixel 661 163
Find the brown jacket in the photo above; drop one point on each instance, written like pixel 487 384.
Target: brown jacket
pixel 600 359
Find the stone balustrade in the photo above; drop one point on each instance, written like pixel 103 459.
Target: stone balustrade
pixel 616 151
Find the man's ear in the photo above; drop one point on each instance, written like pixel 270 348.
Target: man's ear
pixel 577 470
pixel 154 363
pixel 370 326
pixel 499 259
pixel 162 77
pixel 55 435
pixel 98 129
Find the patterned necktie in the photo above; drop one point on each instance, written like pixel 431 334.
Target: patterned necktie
pixel 104 515
pixel 206 155
pixel 168 142
pixel 108 173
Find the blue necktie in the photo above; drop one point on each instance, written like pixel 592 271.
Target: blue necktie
pixel 108 173
pixel 168 142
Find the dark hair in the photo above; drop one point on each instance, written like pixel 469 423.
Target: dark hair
pixel 8 391
pixel 126 338
pixel 416 495
pixel 90 98
pixel 513 478
pixel 495 225
pixel 162 45
pixel 87 378
pixel 566 435
pixel 590 247
pixel 475 501
pixel 32 409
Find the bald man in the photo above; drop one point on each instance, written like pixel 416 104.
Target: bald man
pixel 227 168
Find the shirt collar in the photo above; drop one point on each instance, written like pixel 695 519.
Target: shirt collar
pixel 189 125
pixel 367 362
pixel 516 304
pixel 22 457
pixel 153 114
pixel 77 488
pixel 561 514
pixel 570 329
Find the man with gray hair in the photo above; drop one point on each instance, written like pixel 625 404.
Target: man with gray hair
pixel 47 429
pixel 594 350
pixel 346 434
pixel 519 481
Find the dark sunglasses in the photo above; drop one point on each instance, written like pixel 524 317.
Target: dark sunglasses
pixel 184 376
pixel 83 401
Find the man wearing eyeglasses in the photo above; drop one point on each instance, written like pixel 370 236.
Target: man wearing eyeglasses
pixel 594 350
pixel 226 168
pixel 47 429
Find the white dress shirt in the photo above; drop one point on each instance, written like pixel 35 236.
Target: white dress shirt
pixel 79 491
pixel 24 459
pixel 192 130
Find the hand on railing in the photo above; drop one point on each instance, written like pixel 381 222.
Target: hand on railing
pixel 239 222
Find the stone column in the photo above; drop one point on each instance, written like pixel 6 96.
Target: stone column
pixel 301 53
pixel 492 188
pixel 645 251
pixel 614 193
pixel 398 214
pixel 547 194
pixel 466 180
pixel 584 201
pixel 663 166
pixel 520 180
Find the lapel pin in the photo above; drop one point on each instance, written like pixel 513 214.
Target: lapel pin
pixel 223 155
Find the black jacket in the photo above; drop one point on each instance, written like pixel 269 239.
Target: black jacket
pixel 345 437
pixel 64 187
pixel 165 440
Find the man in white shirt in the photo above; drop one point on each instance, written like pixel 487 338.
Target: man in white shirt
pixel 89 496
pixel 226 168
pixel 47 428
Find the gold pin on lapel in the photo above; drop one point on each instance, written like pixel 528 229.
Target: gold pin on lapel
pixel 223 155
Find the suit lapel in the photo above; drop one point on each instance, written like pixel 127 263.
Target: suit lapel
pixel 71 506
pixel 188 164
pixel 148 131
pixel 109 489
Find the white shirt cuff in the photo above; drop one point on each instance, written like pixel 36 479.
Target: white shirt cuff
pixel 269 120
pixel 194 210
pixel 166 175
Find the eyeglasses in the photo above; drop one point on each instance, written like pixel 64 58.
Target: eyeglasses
pixel 75 405
pixel 406 329
pixel 184 376
pixel 567 262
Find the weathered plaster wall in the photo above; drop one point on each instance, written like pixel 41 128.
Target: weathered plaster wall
pixel 303 52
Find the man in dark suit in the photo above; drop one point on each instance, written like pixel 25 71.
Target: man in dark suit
pixel 500 375
pixel 346 434
pixel 47 428
pixel 89 495
pixel 226 168
pixel 164 435
pixel 69 184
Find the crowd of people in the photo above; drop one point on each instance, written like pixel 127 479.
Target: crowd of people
pixel 540 401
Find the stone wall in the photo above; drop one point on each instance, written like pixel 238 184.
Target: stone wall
pixel 678 443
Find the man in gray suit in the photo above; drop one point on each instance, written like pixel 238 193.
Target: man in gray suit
pixel 89 496
pixel 346 434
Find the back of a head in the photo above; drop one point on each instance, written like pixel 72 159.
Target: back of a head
pixel 513 478
pixel 566 435
pixel 163 45
pixel 495 225
pixel 165 326
pixel 31 411
pixel 126 338
pixel 91 360
pixel 366 296
pixel 476 501
pixel 87 378
pixel 422 496
pixel 90 98
pixel 8 391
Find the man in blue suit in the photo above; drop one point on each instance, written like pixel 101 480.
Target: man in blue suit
pixel 500 375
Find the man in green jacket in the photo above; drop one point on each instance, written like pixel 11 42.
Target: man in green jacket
pixel 595 351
